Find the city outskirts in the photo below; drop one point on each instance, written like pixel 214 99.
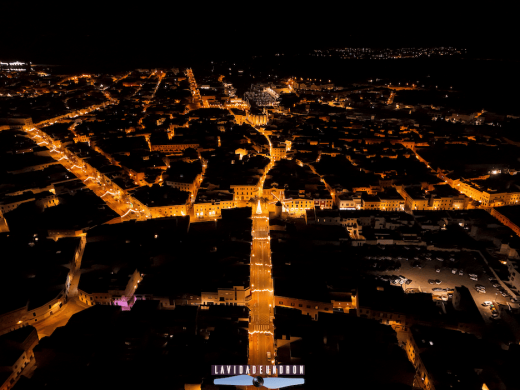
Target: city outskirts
pixel 342 212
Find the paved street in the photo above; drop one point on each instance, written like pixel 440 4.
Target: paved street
pixel 421 276
pixel 49 325
pixel 121 204
pixel 261 328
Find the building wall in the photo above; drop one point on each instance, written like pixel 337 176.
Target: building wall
pixel 422 379
pixel 236 296
pixel 173 147
pixel 168 211
pixel 298 207
pixel 323 203
pixel 71 285
pixel 211 210
pixel 113 297
pixel 242 192
pixel 26 356
pixel 6 207
pixel 22 317
pixel 185 186
pixel 278 153
pixel 312 308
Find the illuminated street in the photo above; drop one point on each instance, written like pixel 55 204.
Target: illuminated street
pixel 115 199
pixel 261 328
pixel 309 204
pixel 60 318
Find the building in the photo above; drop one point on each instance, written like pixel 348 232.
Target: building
pixel 17 122
pixel 279 151
pixel 209 204
pixel 162 201
pixel 391 200
pixel 173 147
pixel 107 288
pixel 244 192
pixel 346 201
pixel 446 358
pixel 488 192
pixel 313 308
pixel 322 199
pixel 16 354
pixel 235 296
pixel 440 197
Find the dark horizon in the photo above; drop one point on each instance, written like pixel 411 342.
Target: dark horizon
pixel 169 35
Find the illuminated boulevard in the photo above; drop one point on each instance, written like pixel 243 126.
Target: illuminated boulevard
pixel 261 327
pixel 116 199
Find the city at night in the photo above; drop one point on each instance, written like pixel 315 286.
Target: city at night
pixel 221 197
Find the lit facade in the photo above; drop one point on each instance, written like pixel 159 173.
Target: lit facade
pixel 244 192
pixel 235 296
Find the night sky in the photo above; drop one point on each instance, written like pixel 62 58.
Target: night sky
pixel 162 35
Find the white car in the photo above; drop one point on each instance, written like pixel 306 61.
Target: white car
pixel 487 303
pixel 439 258
pixel 454 271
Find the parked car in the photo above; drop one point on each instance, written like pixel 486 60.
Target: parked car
pixel 437 281
pixel 437 289
pixel 438 270
pixel 461 272
pixel 439 258
pixel 487 303
pixel 496 285
pixel 408 281
pixel 431 281
pixel 452 259
pixel 454 271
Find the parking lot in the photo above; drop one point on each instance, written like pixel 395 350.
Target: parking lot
pixel 415 266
